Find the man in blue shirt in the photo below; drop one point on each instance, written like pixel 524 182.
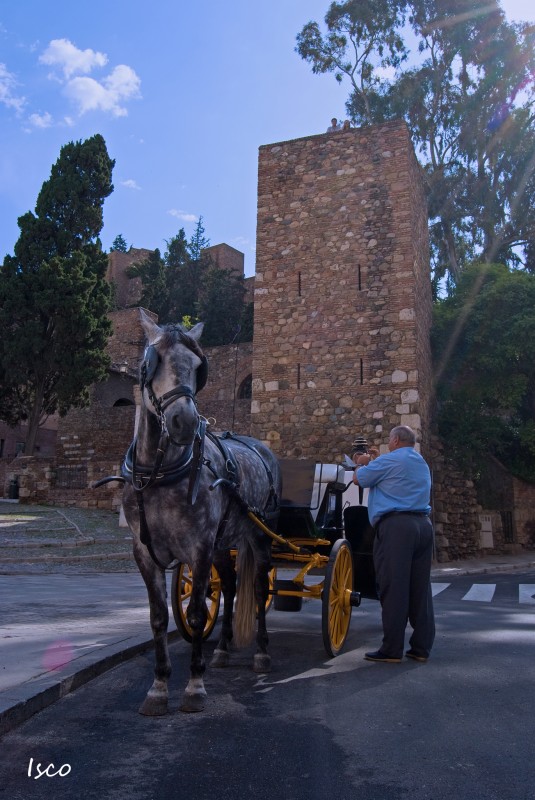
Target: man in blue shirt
pixel 398 508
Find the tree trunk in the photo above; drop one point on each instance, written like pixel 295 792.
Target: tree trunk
pixel 33 421
pixel 449 241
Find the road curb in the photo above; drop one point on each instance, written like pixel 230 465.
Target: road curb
pixel 21 702
pixel 445 571
pixel 122 556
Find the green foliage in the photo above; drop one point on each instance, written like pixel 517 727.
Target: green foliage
pixel 188 322
pixel 184 283
pixel 198 241
pixel 119 244
pixel 484 351
pixel 53 294
pixel 466 93
pixel 220 305
pixel 247 323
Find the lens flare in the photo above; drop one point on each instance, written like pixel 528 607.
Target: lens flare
pixel 57 656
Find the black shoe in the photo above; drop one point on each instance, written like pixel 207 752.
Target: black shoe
pixel 379 656
pixel 415 656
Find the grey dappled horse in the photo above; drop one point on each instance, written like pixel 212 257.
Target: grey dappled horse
pixel 185 498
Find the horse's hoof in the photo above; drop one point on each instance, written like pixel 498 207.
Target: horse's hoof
pixel 261 662
pixel 220 658
pixel 192 703
pixel 153 707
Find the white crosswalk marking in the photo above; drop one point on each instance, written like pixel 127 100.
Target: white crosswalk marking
pixel 481 592
pixel 484 592
pixel 436 588
pixel 526 593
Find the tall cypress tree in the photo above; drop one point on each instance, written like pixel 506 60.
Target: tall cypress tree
pixel 53 294
pixel 119 244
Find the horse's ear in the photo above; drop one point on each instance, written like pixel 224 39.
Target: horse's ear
pixel 196 331
pixel 153 332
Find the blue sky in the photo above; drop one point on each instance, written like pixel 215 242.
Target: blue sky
pixel 184 93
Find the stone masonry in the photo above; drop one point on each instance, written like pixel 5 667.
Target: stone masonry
pixel 342 293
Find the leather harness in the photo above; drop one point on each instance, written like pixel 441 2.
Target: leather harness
pixel 191 461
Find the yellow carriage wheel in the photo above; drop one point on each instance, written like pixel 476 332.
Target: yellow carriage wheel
pixel 180 596
pixel 336 595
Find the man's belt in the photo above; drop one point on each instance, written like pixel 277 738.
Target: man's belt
pixel 391 514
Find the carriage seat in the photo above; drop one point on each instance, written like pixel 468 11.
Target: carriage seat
pixel 304 484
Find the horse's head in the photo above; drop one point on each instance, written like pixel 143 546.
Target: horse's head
pixel 173 370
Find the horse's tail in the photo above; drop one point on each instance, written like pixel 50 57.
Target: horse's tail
pixel 245 615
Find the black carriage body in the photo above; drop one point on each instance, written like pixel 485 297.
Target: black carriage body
pixel 302 497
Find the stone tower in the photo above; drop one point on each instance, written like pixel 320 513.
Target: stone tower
pixel 342 293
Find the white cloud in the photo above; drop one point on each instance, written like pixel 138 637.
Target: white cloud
pixel 90 95
pixel 130 184
pixel 65 55
pixel 183 216
pixel 8 96
pixel 41 120
pixel 107 94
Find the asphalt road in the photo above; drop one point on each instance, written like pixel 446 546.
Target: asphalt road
pixel 460 726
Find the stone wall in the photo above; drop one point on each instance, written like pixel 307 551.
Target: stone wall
pixel 226 257
pixel 510 503
pixel 126 344
pixel 94 440
pixel 342 293
pixel 127 290
pixel 34 476
pixel 229 368
pixel 45 447
pixel 456 511
pixel 524 512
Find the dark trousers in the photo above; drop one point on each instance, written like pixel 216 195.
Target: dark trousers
pixel 402 555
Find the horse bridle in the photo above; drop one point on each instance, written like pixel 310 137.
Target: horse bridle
pixel 148 370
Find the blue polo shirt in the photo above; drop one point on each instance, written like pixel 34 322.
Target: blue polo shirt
pixel 398 481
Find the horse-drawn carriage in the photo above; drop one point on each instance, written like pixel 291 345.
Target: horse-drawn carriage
pixel 208 507
pixel 323 536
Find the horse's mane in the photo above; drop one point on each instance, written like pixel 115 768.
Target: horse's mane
pixel 174 333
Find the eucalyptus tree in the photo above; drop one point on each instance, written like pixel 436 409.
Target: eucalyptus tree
pixel 462 77
pixel 484 354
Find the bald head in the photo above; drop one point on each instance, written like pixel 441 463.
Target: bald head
pixel 401 436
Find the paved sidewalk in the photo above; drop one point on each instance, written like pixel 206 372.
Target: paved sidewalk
pixel 61 630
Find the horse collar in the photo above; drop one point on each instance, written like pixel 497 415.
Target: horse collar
pixel 141 477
